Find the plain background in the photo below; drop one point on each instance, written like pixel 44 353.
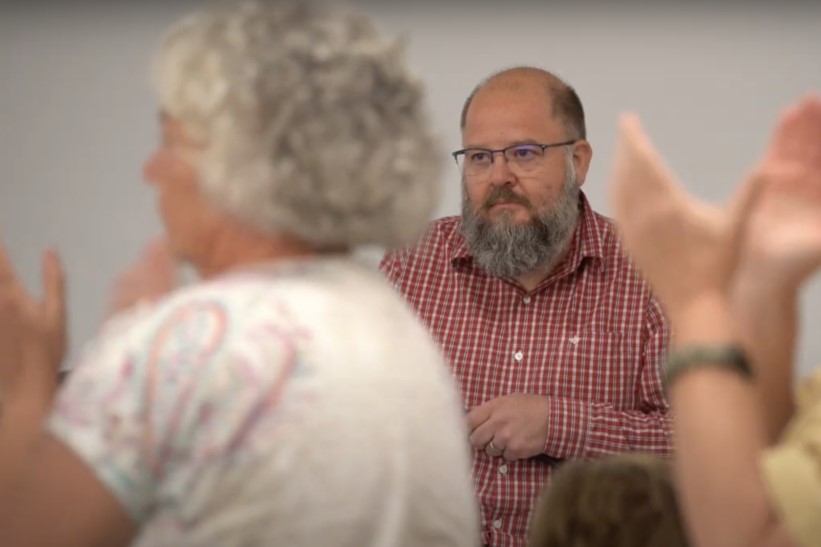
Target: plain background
pixel 78 117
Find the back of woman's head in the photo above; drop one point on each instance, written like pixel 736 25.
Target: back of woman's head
pixel 620 501
pixel 312 124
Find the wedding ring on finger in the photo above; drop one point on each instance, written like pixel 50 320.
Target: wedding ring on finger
pixel 493 450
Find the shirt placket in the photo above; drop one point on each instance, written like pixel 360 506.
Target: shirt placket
pixel 516 354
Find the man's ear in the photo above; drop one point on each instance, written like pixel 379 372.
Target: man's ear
pixel 582 154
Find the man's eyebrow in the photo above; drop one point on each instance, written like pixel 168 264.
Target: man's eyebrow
pixel 514 143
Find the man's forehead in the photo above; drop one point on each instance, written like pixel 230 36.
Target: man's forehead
pixel 520 118
pixel 500 100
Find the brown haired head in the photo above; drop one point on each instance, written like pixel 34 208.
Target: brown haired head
pixel 620 501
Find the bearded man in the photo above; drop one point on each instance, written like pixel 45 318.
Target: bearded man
pixel 556 342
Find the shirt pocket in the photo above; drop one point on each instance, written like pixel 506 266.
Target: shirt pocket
pixel 602 367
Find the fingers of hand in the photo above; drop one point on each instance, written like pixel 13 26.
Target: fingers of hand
pixel 478 415
pixel 798 132
pixel 641 176
pixel 482 435
pixel 40 315
pixel 8 276
pixel 637 163
pixel 54 288
pixel 54 307
pixel 490 437
pixel 494 451
pixel 157 256
pixel 150 277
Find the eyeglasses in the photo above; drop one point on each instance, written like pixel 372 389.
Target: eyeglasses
pixel 523 158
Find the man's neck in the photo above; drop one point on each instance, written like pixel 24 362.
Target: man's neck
pixel 532 279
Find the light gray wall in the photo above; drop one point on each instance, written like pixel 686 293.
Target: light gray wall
pixel 78 118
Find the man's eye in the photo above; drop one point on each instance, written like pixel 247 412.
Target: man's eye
pixel 524 153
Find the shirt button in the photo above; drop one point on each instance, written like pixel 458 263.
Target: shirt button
pixel 518 355
pixel 526 300
pixel 503 469
pixel 497 524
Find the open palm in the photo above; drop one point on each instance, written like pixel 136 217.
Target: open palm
pixel 783 238
pixel 32 331
pixel 683 247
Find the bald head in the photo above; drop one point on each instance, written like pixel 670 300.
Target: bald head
pixel 561 98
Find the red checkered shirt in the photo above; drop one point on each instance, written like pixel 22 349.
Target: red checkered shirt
pixel 590 337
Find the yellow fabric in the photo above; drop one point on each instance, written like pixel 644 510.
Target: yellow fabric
pixel 792 469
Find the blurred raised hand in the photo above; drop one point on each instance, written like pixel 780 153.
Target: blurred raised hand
pixel 33 337
pixel 153 275
pixel 782 243
pixel 686 249
pixel 781 249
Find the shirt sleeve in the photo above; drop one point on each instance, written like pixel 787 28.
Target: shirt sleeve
pixel 393 264
pixel 792 474
pixel 95 412
pixel 584 429
pixel 149 405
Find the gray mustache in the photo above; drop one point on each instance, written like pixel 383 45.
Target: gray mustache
pixel 505 194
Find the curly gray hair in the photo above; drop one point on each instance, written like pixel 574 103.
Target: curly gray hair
pixel 313 124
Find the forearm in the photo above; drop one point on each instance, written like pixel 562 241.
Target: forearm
pixel 721 434
pixel 580 429
pixel 766 315
pixel 20 429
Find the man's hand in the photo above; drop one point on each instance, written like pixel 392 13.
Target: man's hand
pixel 151 277
pixel 512 426
pixel 32 332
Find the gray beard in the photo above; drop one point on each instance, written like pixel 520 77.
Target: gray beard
pixel 506 249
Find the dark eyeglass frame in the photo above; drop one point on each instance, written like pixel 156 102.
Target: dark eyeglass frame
pixel 503 151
